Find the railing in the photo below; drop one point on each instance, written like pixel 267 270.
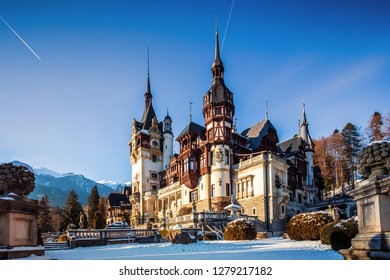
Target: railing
pixel 251 160
pixel 198 217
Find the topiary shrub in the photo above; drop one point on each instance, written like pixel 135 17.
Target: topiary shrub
pixel 240 229
pixel 307 226
pixel 339 234
pixel 340 240
pixel 325 233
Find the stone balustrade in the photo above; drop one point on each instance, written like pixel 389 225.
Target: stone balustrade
pixel 95 237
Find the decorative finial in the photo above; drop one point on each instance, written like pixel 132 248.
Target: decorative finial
pixel 235 125
pixel 266 107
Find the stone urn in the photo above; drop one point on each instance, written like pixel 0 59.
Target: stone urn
pixel 19 180
pixel 374 160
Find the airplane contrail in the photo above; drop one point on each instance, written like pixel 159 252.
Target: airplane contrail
pixel 227 25
pixel 20 38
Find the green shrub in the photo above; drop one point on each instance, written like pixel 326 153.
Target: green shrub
pixel 307 226
pixel 339 234
pixel 325 233
pixel 240 229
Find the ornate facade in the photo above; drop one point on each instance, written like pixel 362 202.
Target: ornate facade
pixel 217 165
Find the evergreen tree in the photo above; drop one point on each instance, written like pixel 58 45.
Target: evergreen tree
pixel 71 211
pixel 93 203
pixel 45 217
pixel 374 129
pixel 100 215
pixel 351 145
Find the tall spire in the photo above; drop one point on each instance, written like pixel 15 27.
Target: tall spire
pixel 304 129
pixel 148 94
pixel 217 67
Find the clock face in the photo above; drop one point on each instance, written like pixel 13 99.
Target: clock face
pixel 155 143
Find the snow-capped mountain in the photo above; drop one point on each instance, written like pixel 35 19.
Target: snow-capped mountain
pixel 45 171
pixel 113 185
pixel 57 186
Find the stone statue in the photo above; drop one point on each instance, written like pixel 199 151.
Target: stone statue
pixel 81 220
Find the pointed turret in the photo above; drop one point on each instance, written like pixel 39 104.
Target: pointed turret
pixel 217 67
pixel 304 130
pixel 148 94
pixel 218 105
pixel 149 113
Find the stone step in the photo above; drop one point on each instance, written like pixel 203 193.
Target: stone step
pixel 50 246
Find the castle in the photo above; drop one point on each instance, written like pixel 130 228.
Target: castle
pixel 218 170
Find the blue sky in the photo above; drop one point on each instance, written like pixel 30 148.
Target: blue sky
pixel 72 111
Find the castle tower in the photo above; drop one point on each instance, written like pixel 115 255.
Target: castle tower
pixel 168 141
pixel 218 113
pixel 146 157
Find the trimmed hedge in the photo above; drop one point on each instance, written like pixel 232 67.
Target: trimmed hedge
pixel 339 234
pixel 240 229
pixel 307 226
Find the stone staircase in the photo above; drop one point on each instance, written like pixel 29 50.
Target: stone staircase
pixel 51 246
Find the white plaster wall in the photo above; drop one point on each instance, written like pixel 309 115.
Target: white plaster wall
pixel 220 170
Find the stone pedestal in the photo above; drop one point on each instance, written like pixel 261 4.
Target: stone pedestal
pixel 18 224
pixel 373 205
pixel 18 214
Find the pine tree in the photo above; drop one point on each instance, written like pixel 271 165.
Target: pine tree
pixel 351 145
pixel 71 211
pixel 45 217
pixel 374 129
pixel 100 215
pixel 93 203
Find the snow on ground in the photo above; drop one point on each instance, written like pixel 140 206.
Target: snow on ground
pixel 265 249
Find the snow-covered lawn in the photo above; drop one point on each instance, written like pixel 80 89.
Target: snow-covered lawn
pixel 266 249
